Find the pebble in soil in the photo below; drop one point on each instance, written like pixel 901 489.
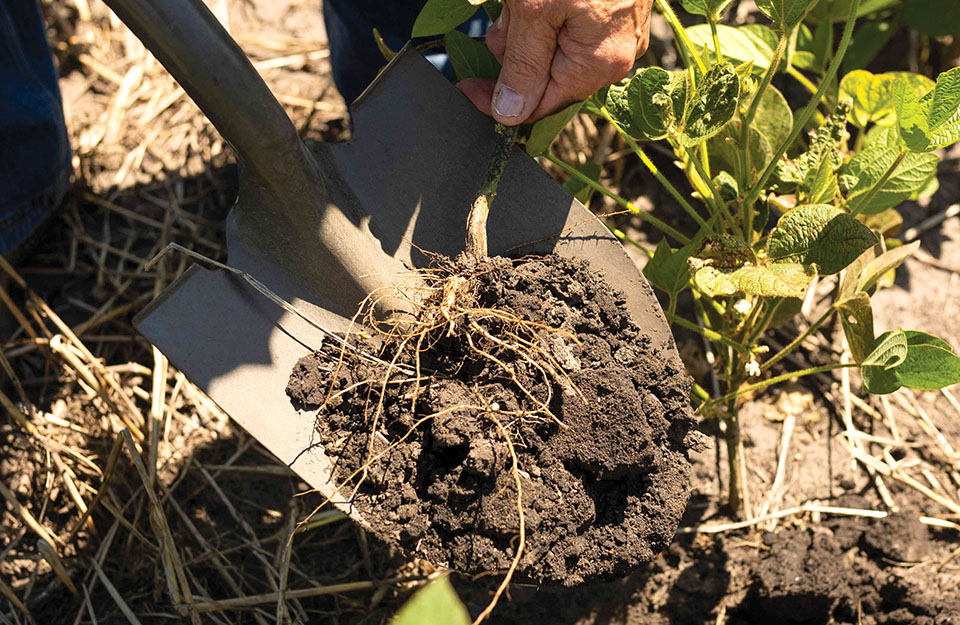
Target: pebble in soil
pixel 601 495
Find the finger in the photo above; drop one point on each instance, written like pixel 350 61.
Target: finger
pixel 497 33
pixel 643 26
pixel 578 71
pixel 480 92
pixel 531 43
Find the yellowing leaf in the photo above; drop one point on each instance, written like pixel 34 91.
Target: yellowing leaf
pixel 869 166
pixel 932 121
pixel 777 280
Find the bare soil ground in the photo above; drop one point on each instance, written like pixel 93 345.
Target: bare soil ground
pixel 854 502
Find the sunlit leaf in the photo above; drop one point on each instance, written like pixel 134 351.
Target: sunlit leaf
pixel 436 603
pixel 912 359
pixel 740 45
pixel 820 235
pixel 777 280
pixel 863 274
pixel 856 317
pixel 868 167
pixel 872 94
pixel 439 17
pixel 724 153
pixel 933 121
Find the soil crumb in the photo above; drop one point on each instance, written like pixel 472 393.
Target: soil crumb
pixel 604 472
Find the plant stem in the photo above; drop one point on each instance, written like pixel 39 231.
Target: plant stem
pixel 780 378
pixel 811 107
pixel 716 337
pixel 864 200
pixel 716 38
pixel 663 227
pixel 744 150
pixel 797 341
pixel 735 465
pixel 652 168
pixel 686 46
pixel 718 203
pixel 476 238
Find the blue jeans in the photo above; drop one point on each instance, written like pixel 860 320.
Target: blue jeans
pixel 34 149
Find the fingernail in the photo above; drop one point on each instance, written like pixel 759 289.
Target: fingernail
pixel 508 103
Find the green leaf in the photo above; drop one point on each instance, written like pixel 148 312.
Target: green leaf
pixel 820 235
pixel 493 8
pixel 657 99
pixel 872 94
pixel 820 186
pixel 547 129
pixel 436 603
pixel 868 167
pixel 837 10
pixel 778 280
pixel 438 17
pixel 881 137
pixel 785 14
pixel 931 363
pixel 889 350
pixel 868 40
pixel 933 17
pixel 822 46
pixel 385 50
pixel 579 189
pixel 774 117
pixel 910 358
pixel 856 317
pixel 616 102
pixel 933 121
pixel 787 309
pixel 470 58
pixel 826 142
pixel 740 45
pixel 712 106
pixel 706 8
pixel 724 153
pixel 667 269
pixel 726 186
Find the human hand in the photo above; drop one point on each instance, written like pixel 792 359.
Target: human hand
pixel 556 52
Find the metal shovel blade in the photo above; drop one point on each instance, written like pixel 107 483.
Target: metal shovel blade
pixel 322 227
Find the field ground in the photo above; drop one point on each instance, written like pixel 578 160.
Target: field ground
pixel 192 515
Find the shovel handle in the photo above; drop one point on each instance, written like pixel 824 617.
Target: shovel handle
pixel 194 47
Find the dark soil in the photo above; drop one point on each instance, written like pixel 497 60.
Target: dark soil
pixel 601 496
pixel 829 573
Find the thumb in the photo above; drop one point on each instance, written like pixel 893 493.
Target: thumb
pixel 531 41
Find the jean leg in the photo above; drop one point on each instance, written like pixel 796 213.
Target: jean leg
pixel 34 148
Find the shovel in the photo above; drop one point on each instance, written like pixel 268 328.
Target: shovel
pixel 324 226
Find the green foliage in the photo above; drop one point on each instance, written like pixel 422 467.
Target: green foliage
pixel 868 168
pixel 739 45
pixel 434 604
pixel 579 189
pixel 713 105
pixel 656 99
pixel 470 58
pixel 439 17
pixel 667 269
pixel 872 95
pixel 778 280
pixel 713 9
pixel 912 359
pixel 819 235
pixel 856 317
pixel 785 14
pixel 546 130
pixel 932 121
pixel 933 17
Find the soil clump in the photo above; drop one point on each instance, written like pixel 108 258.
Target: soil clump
pixel 536 357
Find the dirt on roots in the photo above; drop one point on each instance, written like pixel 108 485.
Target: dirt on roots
pixel 537 357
